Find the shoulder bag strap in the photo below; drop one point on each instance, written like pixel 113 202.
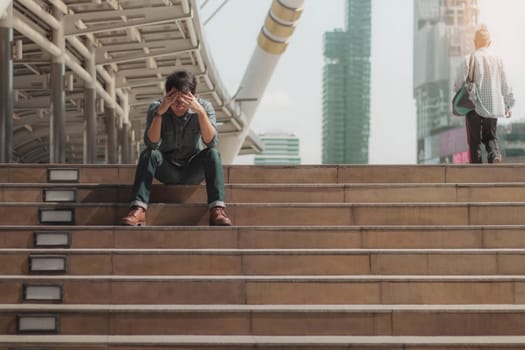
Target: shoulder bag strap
pixel 472 69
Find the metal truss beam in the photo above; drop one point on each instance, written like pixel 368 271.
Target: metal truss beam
pixel 133 18
pixel 31 82
pixel 178 47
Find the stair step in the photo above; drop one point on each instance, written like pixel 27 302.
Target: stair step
pixel 267 320
pixel 321 257
pixel 306 290
pixel 344 237
pixel 124 174
pixel 270 193
pixel 302 214
pixel 39 173
pixel 200 342
pixel 264 262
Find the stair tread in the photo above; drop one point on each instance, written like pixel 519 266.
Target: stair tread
pixel 267 340
pixel 220 251
pixel 269 278
pixel 68 185
pixel 263 308
pixel 316 205
pixel 53 228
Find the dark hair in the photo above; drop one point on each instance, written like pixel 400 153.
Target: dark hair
pixel 181 80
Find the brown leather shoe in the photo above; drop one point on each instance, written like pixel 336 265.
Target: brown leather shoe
pixel 218 217
pixel 135 217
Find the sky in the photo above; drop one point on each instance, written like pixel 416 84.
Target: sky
pixel 293 99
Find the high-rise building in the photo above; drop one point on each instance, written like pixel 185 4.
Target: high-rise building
pixel 511 138
pixel 278 149
pixel 346 87
pixel 443 35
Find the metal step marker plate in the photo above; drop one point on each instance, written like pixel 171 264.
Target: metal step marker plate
pixel 60 195
pixel 43 293
pixel 37 323
pixel 63 175
pixel 57 216
pixel 47 264
pixel 51 239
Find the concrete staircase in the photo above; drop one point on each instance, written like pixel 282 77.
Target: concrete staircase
pixel 321 257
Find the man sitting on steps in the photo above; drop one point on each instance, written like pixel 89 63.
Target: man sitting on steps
pixel 180 136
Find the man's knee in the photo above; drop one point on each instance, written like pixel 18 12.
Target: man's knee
pixel 152 155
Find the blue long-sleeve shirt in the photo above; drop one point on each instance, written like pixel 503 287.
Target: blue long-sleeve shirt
pixel 180 137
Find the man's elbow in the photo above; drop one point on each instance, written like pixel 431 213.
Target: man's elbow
pixel 211 142
pixel 150 144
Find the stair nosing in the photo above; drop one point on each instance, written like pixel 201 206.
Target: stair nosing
pixel 263 251
pixel 486 308
pixel 266 340
pixel 272 278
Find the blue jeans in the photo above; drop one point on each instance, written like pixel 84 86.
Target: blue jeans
pixel 205 165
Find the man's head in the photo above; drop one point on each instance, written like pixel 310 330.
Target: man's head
pixel 182 80
pixel 482 37
pixel 180 83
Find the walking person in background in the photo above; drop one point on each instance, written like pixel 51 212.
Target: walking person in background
pixel 492 98
pixel 180 135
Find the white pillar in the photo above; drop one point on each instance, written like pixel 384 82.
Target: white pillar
pixel 90 110
pixel 6 84
pixel 272 42
pixel 58 98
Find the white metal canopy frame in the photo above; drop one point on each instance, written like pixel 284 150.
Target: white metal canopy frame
pixel 4 4
pixel 78 75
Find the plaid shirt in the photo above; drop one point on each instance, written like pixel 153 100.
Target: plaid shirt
pixel 493 95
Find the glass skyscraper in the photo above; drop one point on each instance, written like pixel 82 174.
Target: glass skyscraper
pixel 346 87
pixel 278 149
pixel 443 35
